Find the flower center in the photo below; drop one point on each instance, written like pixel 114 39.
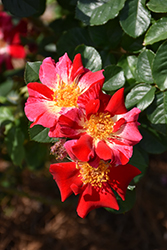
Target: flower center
pixel 94 176
pixel 66 95
pixel 99 126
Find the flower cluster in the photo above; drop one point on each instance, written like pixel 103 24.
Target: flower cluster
pixel 100 133
pixel 10 43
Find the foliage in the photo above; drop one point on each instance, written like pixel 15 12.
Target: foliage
pixel 125 37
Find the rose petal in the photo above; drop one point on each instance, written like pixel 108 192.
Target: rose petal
pixel 94 197
pixel 48 74
pixel 77 67
pixel 91 78
pixel 116 104
pixel 103 150
pixel 65 174
pixel 63 68
pixel 83 148
pixel 121 176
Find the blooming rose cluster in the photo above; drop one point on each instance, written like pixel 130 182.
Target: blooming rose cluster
pixel 10 43
pixel 99 132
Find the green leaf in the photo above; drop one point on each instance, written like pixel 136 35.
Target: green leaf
pixel 32 71
pixel 140 160
pixel 5 114
pixel 107 58
pixel 132 62
pixel 105 12
pixel 90 57
pixel 131 44
pixel 6 87
pixel 40 134
pixel 125 205
pixel 135 18
pixel 152 142
pixel 25 8
pixel 159 6
pixel 147 99
pixel 156 32
pixel 159 67
pixel 157 113
pixel 106 36
pixel 139 94
pixel 35 155
pixel 14 141
pixel 144 66
pixel 123 63
pixel 73 38
pixel 114 78
pixel 3 99
pixel 98 12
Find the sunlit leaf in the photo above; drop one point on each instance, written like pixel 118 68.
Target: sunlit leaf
pixel 96 12
pixel 159 6
pixel 159 67
pixel 5 114
pixel 156 32
pixel 135 17
pixel 144 66
pixel 157 113
pixel 90 57
pixel 114 78
pixel 32 71
pixel 40 134
pixel 142 95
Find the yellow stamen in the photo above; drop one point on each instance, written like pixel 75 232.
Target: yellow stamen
pixel 99 126
pixel 92 175
pixel 66 95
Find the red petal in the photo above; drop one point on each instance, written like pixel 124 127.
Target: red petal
pixel 91 78
pixel 47 73
pixel 93 198
pixel 65 174
pixel 77 68
pixel 17 51
pixel 63 68
pixel 116 104
pixel 39 91
pixel 71 123
pixel 121 152
pixel 83 148
pixel 121 176
pixel 42 113
pixel 68 146
pixel 103 150
pixel 76 189
pixel 92 107
pixel 118 125
pixel 129 131
pixel 39 107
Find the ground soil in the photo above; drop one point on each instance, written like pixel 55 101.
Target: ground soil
pixel 33 218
